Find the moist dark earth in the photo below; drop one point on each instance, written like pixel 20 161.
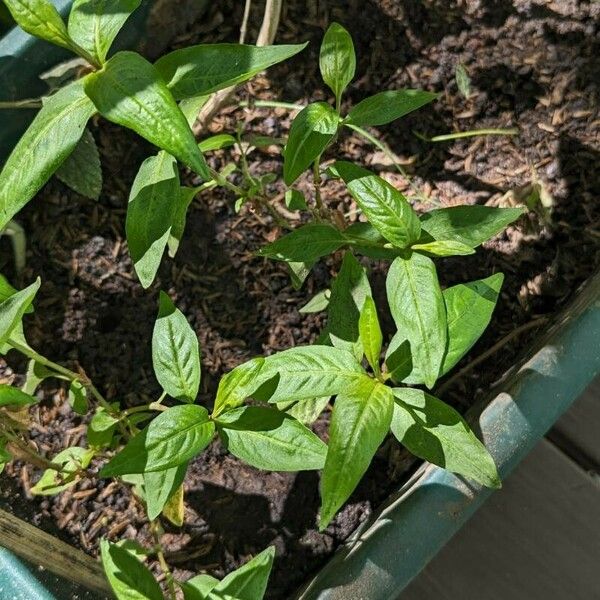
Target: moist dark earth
pixel 532 64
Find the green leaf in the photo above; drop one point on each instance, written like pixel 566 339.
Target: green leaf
pixel 398 358
pixel 469 307
pixel 307 372
pixel 470 225
pixel 199 587
pixel 359 423
pixel 41 19
pixel 435 432
pixel 178 219
pixel 217 142
pixel 370 333
pixel 71 460
pixel 337 60
pixel 13 309
pixel 51 137
pixel 12 396
pixel 171 439
pixel 5 455
pixel 175 352
pixel 294 200
pixel 129 91
pixel 7 290
pixel 306 411
pixel 318 303
pixel 463 81
pixel 444 248
pixel 78 397
pixel 36 373
pixel 128 577
pixel 94 24
pixel 310 133
pixel 299 271
pixel 206 68
pixel 160 486
pixel 191 106
pixel 151 212
pixel 237 385
pixel 348 292
pixel 383 205
pixel 269 439
pixel 417 306
pixel 174 510
pixel 81 171
pixel 385 107
pixel 101 429
pixel 305 244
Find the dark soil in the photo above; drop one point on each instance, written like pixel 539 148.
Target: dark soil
pixel 533 65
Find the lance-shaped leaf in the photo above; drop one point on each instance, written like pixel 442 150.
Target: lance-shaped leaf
pixel 398 358
pixel 269 439
pixel 348 292
pixel 370 333
pixel 70 460
pixel 206 68
pixel 181 204
pixel 337 60
pixel 160 487
pixel 418 309
pixel 48 141
pixel 41 19
pixel 129 91
pixel 469 307
pixel 94 24
pixel 175 352
pixel 305 244
pixel 310 371
pixel 151 212
pixel 305 411
pixel 435 432
pixel 444 248
pixel 128 577
pixel 13 309
pixel 359 423
pixel 237 385
pixel 12 396
pixel 469 225
pixel 383 205
pixel 81 171
pixel 388 106
pixel 171 439
pixel 310 133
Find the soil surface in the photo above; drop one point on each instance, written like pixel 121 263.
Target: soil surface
pixel 532 64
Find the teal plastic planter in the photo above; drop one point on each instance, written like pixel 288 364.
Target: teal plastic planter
pixel 387 552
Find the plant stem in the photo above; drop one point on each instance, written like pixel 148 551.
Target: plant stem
pixel 466 134
pixel 26 103
pixel 164 567
pixel 270 104
pixel 244 25
pixel 224 182
pixel 321 209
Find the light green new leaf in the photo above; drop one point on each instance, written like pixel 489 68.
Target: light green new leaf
pixel 305 244
pixel 7 290
pixel 94 24
pixel 318 303
pixel 175 352
pixel 129 91
pixel 237 385
pixel 310 133
pixel 217 142
pixel 305 411
pixel 78 397
pixel 13 309
pixel 101 429
pixel 307 372
pixel 160 487
pixel 198 587
pixel 71 460
pixel 337 60
pixel 370 333
pixel 48 141
pixel 435 432
pixel 128 577
pixel 172 438
pixel 206 68
pixel 418 309
pixel 385 107
pixel 12 396
pixel 269 439
pixel 348 292
pixel 151 212
pixel 469 307
pixel 41 19
pixel 181 203
pixel 383 205
pixel 359 423
pixel 444 248
pixel 470 225
pixel 36 373
pixel 81 171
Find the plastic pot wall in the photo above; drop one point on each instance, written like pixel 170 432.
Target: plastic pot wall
pixel 387 552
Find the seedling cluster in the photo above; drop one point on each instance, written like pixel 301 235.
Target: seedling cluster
pixel 374 387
